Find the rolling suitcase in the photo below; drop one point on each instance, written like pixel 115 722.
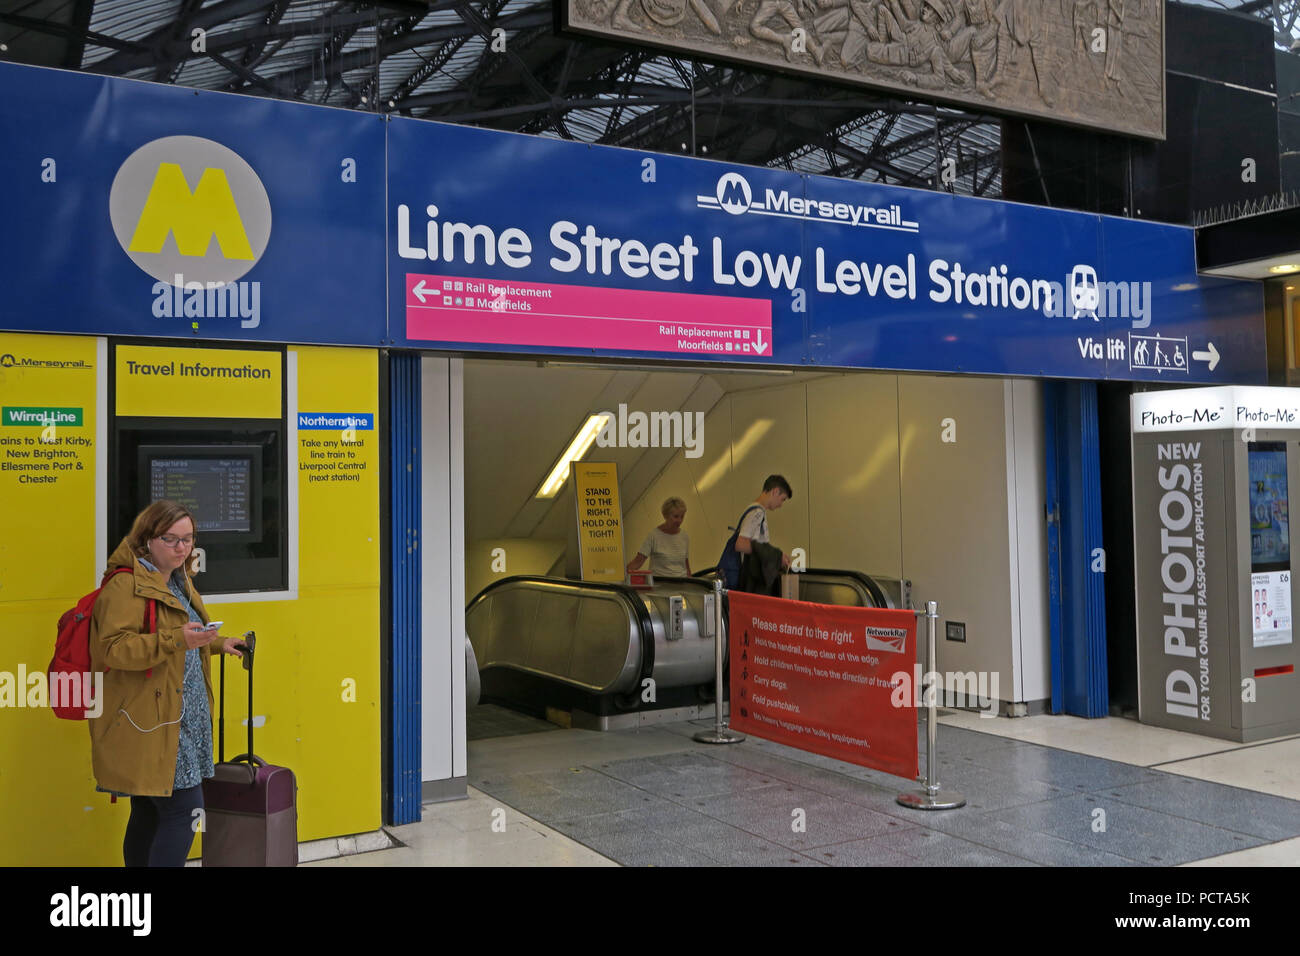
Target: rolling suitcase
pixel 251 807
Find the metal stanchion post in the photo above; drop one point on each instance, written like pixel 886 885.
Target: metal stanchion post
pixel 719 734
pixel 932 798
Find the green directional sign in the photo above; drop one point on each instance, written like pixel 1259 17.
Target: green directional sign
pixel 40 416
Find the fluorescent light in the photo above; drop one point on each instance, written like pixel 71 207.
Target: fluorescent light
pixel 577 448
pixel 1289 267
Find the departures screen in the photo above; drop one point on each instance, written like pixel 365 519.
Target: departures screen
pixel 219 491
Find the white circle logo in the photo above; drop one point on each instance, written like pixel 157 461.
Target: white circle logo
pixel 190 207
pixel 733 193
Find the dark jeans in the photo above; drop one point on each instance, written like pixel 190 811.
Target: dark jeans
pixel 161 829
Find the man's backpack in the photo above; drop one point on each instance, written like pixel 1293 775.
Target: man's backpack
pixel 729 563
pixel 70 667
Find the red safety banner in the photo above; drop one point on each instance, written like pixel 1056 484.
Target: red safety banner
pixel 822 678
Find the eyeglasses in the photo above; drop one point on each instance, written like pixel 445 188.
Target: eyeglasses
pixel 171 540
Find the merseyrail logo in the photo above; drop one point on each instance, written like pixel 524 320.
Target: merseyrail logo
pixel 9 360
pixel 190 211
pixel 735 196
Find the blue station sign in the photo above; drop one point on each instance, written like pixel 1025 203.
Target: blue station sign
pixel 139 209
pixel 529 244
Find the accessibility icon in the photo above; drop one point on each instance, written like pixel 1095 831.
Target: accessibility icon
pixel 1159 353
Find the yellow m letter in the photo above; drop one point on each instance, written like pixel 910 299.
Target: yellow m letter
pixel 193 217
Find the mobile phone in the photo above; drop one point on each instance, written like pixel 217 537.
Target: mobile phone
pixel 213 625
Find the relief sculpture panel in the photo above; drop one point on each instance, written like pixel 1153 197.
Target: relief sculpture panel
pixel 1087 62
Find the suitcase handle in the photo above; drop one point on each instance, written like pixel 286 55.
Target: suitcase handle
pixel 254 763
pixel 249 640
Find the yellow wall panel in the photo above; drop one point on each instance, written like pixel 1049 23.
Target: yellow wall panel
pixel 50 814
pixel 306 649
pixel 47 476
pixel 340 702
pixel 317 682
pixel 338 474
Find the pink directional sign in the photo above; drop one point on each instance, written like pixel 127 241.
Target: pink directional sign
pixel 506 312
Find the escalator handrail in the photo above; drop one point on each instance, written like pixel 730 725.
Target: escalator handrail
pixel 693 579
pixel 546 579
pixel 866 580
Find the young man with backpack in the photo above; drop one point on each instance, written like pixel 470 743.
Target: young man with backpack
pixel 749 561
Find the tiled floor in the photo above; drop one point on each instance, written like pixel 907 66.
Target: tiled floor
pixel 491 720
pixel 1047 791
pixel 479 831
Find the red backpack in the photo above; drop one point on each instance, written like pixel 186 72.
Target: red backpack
pixel 70 666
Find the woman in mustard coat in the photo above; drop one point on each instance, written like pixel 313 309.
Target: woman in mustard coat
pixel 153 738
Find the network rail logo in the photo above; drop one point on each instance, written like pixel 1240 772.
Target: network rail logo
pixel 892 640
pixel 734 195
pixel 194 215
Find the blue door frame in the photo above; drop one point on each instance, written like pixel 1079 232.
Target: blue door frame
pixel 404 656
pixel 1076 558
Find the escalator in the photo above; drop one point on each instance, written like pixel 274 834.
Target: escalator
pixel 597 652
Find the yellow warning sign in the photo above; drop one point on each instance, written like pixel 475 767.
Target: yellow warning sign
pixel 600 520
